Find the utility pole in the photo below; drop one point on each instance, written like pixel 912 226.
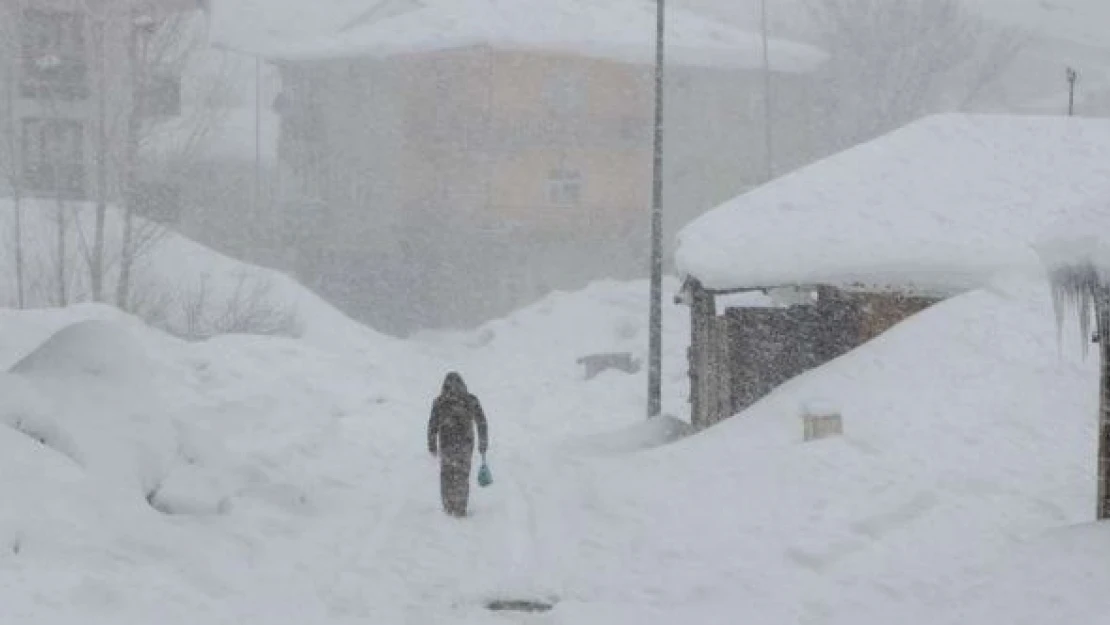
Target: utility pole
pixel 1072 76
pixel 768 119
pixel 257 135
pixel 655 321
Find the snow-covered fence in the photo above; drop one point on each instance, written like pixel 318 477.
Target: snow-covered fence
pixel 741 354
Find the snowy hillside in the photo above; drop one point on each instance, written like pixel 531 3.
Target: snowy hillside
pixel 253 478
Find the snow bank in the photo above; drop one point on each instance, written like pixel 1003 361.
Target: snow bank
pixel 301 490
pixel 622 30
pixel 150 479
pixel 966 431
pixel 88 348
pixel 91 393
pixel 948 202
pixel 645 434
pixel 1059 577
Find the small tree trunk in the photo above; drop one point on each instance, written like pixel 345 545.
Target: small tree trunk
pixel 96 262
pixel 17 235
pixel 127 258
pixel 128 248
pixel 1102 312
pixel 16 182
pixel 63 295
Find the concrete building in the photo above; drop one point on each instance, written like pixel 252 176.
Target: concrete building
pixel 75 78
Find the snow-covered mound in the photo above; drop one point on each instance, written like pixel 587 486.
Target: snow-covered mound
pixel 1061 577
pixel 93 348
pixel 148 479
pixel 97 461
pixel 299 489
pixel 92 394
pixel 642 435
pixel 966 430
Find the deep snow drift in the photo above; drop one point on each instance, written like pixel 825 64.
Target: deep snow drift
pixel 1060 577
pixel 246 479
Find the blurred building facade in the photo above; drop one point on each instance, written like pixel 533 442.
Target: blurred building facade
pixel 440 186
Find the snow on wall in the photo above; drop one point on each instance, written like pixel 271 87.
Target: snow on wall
pixel 950 202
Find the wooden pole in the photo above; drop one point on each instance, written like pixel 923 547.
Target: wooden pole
pixel 702 311
pixel 257 136
pixel 1102 312
pixel 768 99
pixel 655 315
pixel 1072 76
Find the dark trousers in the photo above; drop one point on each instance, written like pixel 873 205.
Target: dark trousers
pixel 454 480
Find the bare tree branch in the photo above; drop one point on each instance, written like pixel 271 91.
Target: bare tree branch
pixel 892 62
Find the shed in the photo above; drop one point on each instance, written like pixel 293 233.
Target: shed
pixel 946 204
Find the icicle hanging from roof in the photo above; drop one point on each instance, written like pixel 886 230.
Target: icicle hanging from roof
pixel 1075 291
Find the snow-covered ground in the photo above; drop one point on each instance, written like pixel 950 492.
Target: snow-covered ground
pixel 250 479
pixel 1058 578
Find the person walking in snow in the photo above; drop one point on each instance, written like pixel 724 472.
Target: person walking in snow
pixel 455 413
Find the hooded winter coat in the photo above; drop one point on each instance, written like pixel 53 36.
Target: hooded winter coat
pixel 455 414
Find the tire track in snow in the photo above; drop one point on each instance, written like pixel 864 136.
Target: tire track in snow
pixel 521 530
pixel 533 501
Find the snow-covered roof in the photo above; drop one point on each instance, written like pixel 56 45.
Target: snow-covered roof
pixel 249 24
pixel 948 202
pixel 622 30
pixel 1079 241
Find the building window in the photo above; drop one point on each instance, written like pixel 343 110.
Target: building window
pixel 54 157
pixel 53 53
pixel 564 187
